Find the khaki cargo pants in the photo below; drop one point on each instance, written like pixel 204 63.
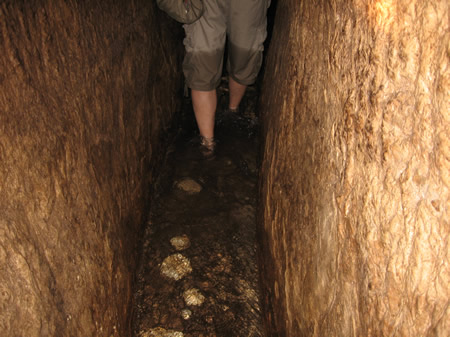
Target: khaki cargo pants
pixel 244 22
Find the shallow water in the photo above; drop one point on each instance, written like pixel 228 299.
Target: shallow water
pixel 207 208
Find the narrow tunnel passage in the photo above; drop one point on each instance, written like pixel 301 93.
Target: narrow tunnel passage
pixel 353 192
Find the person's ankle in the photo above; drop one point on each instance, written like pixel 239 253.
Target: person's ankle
pixel 209 143
pixel 233 109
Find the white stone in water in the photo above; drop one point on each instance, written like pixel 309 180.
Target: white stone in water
pixel 176 266
pixel 193 297
pixel 189 185
pixel 161 332
pixel 186 313
pixel 180 242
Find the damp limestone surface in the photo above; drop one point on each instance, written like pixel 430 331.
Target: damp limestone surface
pixel 355 175
pixel 87 93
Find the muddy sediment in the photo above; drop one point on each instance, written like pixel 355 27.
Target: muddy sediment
pixel 198 275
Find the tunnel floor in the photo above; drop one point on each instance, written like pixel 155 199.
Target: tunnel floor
pixel 198 274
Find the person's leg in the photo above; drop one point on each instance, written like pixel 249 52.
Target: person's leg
pixel 237 91
pixel 246 32
pixel 204 104
pixel 202 66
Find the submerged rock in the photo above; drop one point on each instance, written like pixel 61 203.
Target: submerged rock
pixel 161 332
pixel 186 314
pixel 180 242
pixel 193 296
pixel 176 266
pixel 189 185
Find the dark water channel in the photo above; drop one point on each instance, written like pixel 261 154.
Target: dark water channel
pixel 198 275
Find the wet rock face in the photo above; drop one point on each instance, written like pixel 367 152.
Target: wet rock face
pixel 82 112
pixel 355 175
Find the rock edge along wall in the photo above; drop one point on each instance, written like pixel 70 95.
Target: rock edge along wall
pixel 86 90
pixel 355 175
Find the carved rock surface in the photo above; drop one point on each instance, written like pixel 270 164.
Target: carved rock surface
pixel 355 174
pixel 87 90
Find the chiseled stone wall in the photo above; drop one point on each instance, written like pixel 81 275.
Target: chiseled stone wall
pixel 87 89
pixel 355 177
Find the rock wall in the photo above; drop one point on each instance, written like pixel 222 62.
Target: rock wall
pixel 355 174
pixel 87 89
